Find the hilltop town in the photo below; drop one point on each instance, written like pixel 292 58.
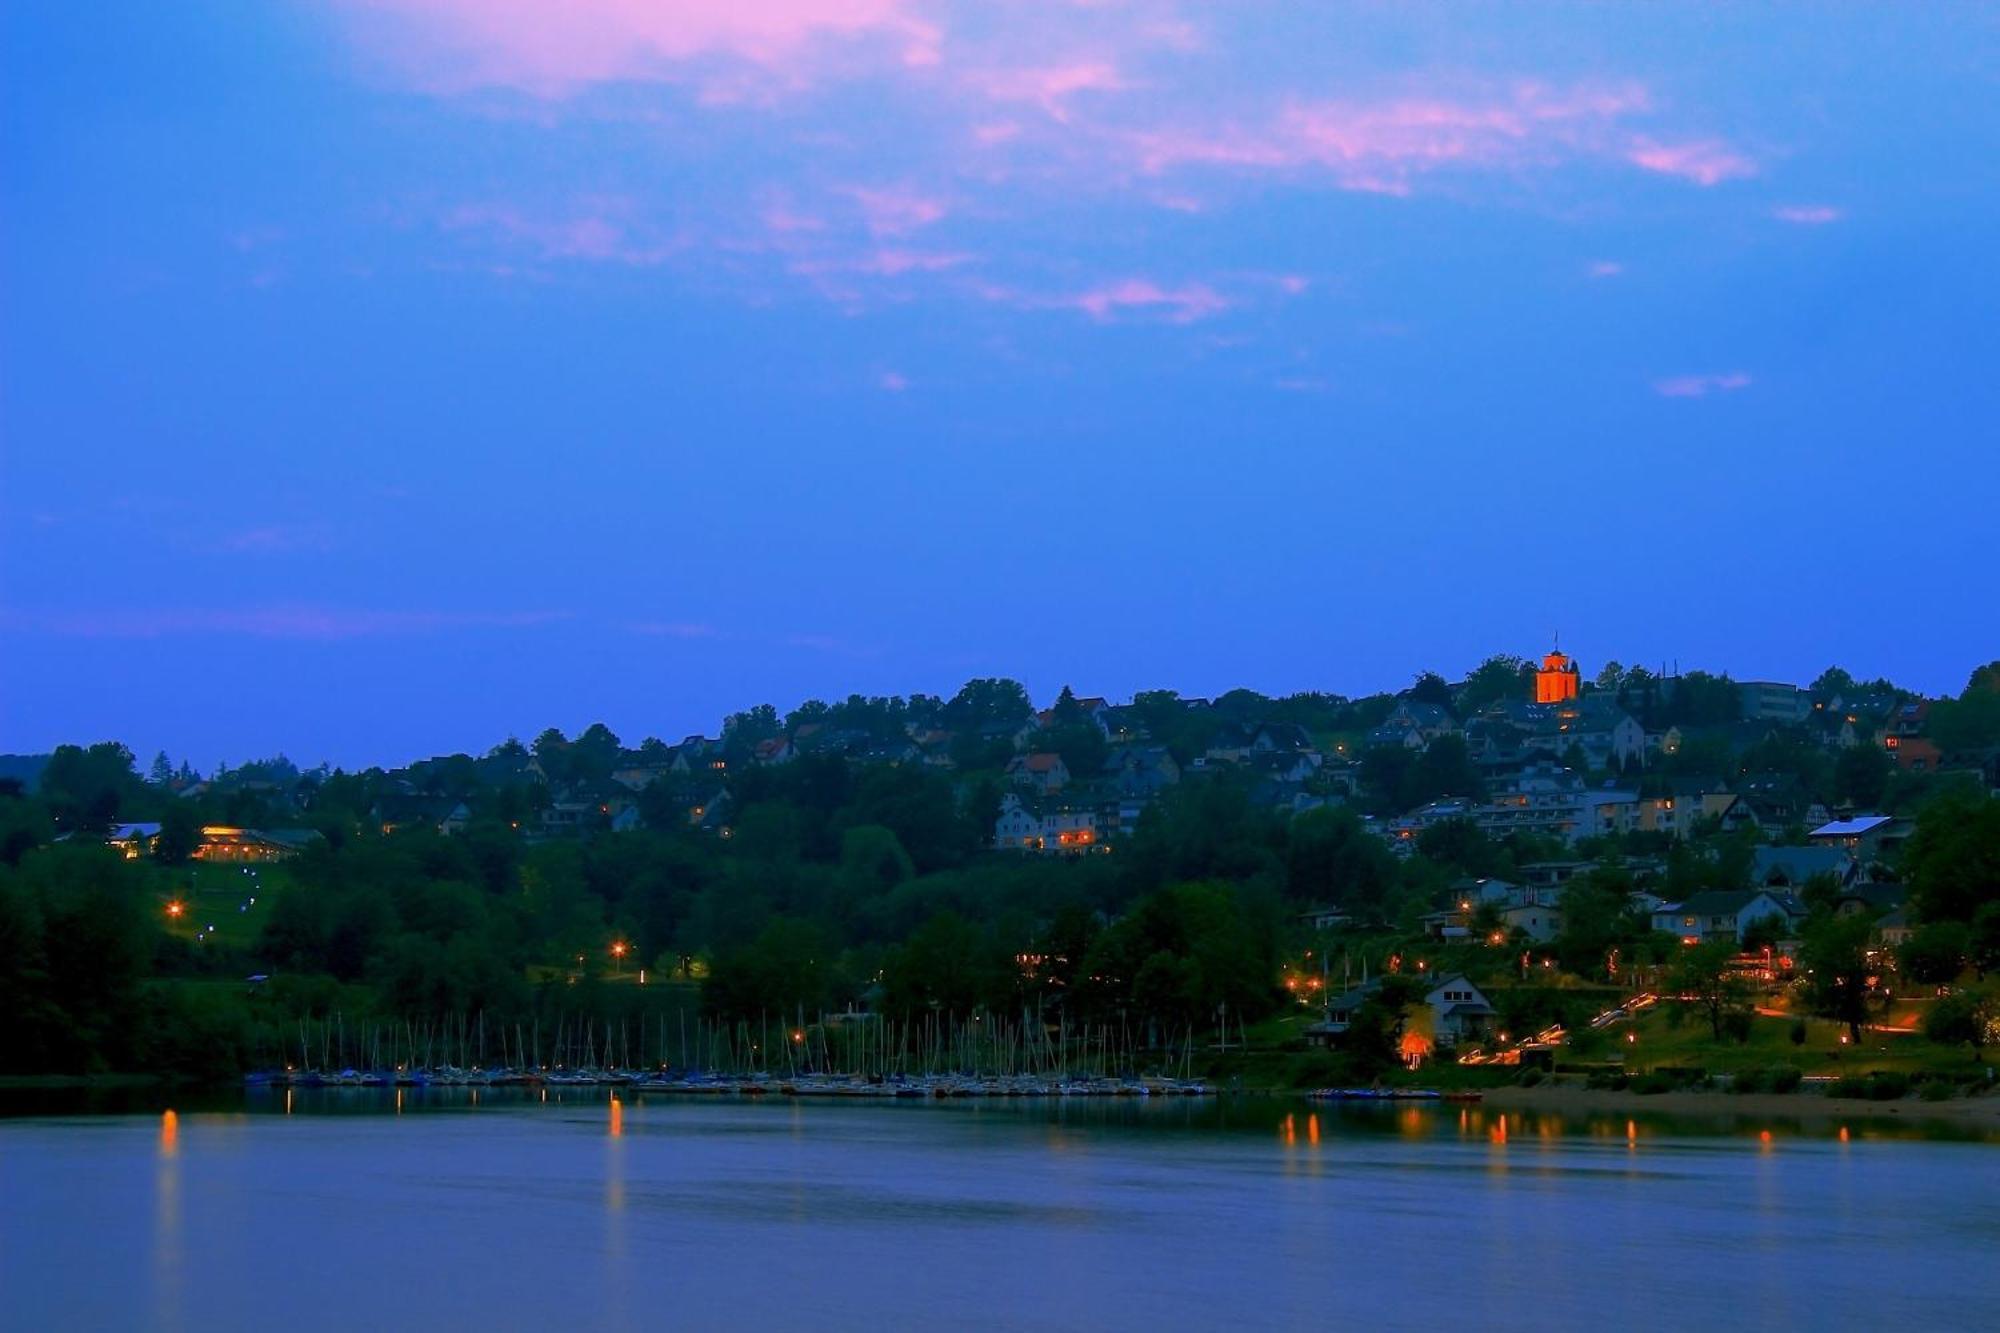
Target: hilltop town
pixel 1525 829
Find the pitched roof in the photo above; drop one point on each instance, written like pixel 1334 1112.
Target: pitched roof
pixel 1850 828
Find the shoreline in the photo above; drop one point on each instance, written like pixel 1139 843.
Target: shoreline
pixel 1981 1110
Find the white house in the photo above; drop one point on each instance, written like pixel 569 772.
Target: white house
pixel 1459 1010
pixel 1722 914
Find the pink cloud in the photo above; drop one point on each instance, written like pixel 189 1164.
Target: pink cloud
pixel 1700 386
pixel 1705 161
pixel 594 235
pixel 1604 268
pixel 1050 86
pixel 272 622
pixel 892 381
pixel 1808 215
pixel 783 220
pixel 551 49
pixel 897 209
pixel 1181 305
pixel 1379 146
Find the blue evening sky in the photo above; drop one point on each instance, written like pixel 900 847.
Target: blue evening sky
pixel 381 377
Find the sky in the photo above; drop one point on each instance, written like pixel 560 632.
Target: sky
pixel 381 378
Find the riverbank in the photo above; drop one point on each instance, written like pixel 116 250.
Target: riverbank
pixel 1556 1098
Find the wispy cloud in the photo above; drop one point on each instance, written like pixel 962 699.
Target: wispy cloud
pixel 1050 87
pixel 1808 215
pixel 674 629
pixel 1703 161
pixel 1183 304
pixel 551 50
pixel 277 539
pixel 1700 386
pixel 891 381
pixel 292 621
pixel 606 232
pixel 1384 145
pixel 896 210
pixel 1604 268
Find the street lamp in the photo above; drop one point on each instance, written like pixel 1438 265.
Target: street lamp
pixel 618 954
pixel 175 908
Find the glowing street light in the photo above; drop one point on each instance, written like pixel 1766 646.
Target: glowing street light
pixel 175 908
pixel 618 951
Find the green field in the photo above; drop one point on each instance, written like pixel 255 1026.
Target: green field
pixel 221 896
pixel 1659 1043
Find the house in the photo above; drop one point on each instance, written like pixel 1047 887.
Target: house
pixel 1281 738
pixel 1043 773
pixel 776 750
pixel 1902 735
pixel 1873 901
pixel 1791 867
pixel 1339 1014
pixel 1020 827
pixel 1460 1011
pixel 1896 928
pixel 132 840
pixel 1142 770
pixel 1773 701
pixel 711 815
pixel 1867 837
pixel 1415 724
pixel 1540 922
pixel 1725 914
pixel 1324 918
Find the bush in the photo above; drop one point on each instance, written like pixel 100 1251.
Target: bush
pixel 1530 1077
pixel 1888 1086
pixel 1649 1085
pixel 1777 1078
pixel 1798 1032
pixel 1937 1090
pixel 1849 1085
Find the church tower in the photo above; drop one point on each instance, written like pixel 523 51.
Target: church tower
pixel 1558 680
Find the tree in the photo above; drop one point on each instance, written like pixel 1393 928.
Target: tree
pixel 1331 858
pixel 1963 1018
pixel 1936 952
pixel 180 833
pixel 1952 860
pixel 1833 681
pixel 1861 775
pixel 1703 974
pixel 1430 688
pixel 1835 957
pixel 1971 721
pixel 1611 679
pixel 985 701
pixel 1498 678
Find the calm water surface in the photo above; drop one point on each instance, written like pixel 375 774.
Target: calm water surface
pixel 346 1210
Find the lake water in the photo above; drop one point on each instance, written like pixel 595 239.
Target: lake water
pixel 350 1210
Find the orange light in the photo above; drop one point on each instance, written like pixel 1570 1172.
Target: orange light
pixel 618 949
pixel 175 909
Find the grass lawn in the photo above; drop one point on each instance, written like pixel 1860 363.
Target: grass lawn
pixel 221 896
pixel 1660 1043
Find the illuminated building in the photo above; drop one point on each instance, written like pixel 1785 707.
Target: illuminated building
pixel 1558 680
